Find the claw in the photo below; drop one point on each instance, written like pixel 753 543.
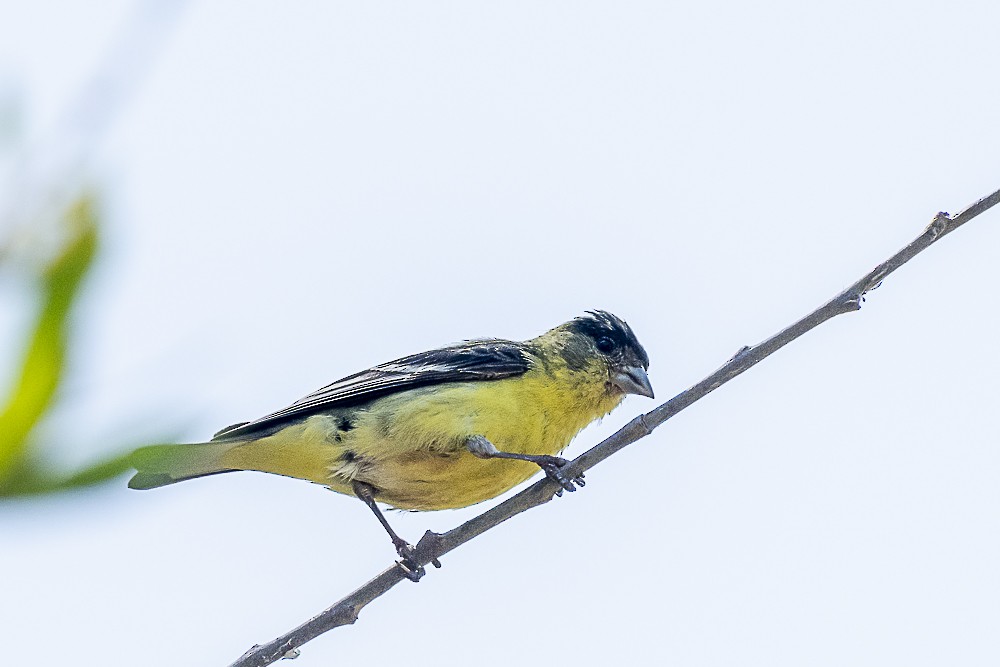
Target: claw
pixel 552 465
pixel 556 475
pixel 412 570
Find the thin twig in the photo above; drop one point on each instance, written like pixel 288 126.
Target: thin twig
pixel 434 545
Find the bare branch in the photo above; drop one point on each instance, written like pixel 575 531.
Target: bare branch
pixel 434 545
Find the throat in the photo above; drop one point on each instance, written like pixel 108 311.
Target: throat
pixel 583 400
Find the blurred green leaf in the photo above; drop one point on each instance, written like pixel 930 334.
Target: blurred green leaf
pixel 42 369
pixel 32 478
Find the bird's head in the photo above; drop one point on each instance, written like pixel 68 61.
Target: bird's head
pixel 609 341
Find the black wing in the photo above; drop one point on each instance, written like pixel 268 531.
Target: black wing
pixel 467 362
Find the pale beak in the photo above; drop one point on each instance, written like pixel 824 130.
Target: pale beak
pixel 633 380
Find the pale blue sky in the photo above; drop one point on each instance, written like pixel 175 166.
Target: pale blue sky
pixel 299 190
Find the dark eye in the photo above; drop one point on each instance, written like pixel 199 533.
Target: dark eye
pixel 605 344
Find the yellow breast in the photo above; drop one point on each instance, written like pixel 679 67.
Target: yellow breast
pixel 411 446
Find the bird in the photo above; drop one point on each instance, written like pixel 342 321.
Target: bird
pixel 442 429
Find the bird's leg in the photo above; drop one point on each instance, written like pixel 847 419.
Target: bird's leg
pixel 410 567
pixel 551 465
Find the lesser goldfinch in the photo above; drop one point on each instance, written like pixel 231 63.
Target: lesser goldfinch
pixel 442 429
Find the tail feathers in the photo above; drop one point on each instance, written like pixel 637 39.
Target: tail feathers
pixel 160 465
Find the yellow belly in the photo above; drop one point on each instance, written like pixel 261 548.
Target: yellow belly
pixel 435 481
pixel 411 447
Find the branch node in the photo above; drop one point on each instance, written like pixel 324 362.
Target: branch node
pixel 939 226
pixel 646 428
pixel 349 613
pixel 849 302
pixel 291 654
pixel 429 548
pixel 740 353
pixel 873 280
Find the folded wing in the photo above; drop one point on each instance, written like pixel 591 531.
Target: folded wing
pixel 471 361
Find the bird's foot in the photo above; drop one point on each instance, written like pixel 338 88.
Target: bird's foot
pixel 553 465
pixel 411 569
